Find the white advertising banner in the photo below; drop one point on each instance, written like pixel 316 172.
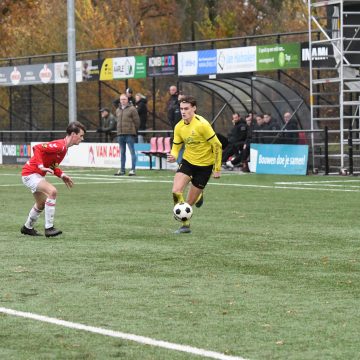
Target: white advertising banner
pixel 124 67
pixel 187 63
pixel 103 155
pixel 0 152
pixel 62 72
pixel 235 60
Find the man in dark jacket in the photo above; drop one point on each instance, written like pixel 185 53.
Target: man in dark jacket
pixel 242 158
pixel 172 104
pixel 141 107
pixel 290 124
pixel 128 122
pixel 129 94
pixel 108 124
pixel 270 124
pixel 236 137
pixel 174 114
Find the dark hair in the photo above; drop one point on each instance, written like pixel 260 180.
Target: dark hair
pixel 75 127
pixel 188 99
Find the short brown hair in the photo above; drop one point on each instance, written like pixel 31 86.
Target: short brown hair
pixel 188 99
pixel 75 127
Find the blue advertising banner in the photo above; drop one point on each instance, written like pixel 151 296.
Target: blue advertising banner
pixel 142 161
pixel 279 159
pixel 206 63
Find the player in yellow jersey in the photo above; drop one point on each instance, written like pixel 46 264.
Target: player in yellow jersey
pixel 201 158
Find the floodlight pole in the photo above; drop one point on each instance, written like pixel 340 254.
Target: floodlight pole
pixel 71 60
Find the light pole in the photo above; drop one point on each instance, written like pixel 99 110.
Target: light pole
pixel 71 60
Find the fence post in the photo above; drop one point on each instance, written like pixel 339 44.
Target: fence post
pixel 326 150
pixel 350 149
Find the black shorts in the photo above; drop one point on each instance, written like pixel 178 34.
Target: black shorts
pixel 199 175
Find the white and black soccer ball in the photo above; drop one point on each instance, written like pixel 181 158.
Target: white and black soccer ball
pixel 343 172
pixel 182 211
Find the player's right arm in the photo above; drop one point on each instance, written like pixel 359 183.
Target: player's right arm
pixel 176 146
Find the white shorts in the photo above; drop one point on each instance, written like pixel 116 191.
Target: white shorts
pixel 32 181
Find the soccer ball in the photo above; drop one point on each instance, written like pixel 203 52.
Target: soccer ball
pixel 182 211
pixel 343 172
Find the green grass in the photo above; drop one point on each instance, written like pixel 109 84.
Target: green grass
pixel 268 272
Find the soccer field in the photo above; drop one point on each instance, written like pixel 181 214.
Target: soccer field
pixel 270 271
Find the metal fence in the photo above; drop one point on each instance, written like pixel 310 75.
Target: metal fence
pixel 45 107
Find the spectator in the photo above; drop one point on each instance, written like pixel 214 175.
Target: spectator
pixel 141 107
pixel 175 113
pixel 202 156
pixel 290 124
pixel 116 103
pixel 242 158
pixel 257 136
pixel 270 124
pixel 46 160
pixel 129 94
pixel 108 124
pixel 128 122
pixel 172 102
pixel 236 138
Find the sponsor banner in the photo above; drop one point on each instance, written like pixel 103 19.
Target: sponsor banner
pixel 62 72
pixel 279 159
pixel 142 161
pixel 27 75
pixel 278 56
pixel 236 60
pixel 206 63
pixel 5 76
pixel 104 155
pixel 133 67
pixel 106 69
pixel 202 62
pixel 162 65
pixel 187 63
pixel 91 70
pixel 15 154
pixel 322 55
pixel 1 153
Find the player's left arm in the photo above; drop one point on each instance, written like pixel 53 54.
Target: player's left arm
pixel 217 151
pixel 211 137
pixel 67 180
pixel 64 177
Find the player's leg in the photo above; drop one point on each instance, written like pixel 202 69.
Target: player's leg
pixel 50 191
pixel 131 144
pixel 122 145
pixel 181 180
pixel 194 195
pixel 201 176
pixel 32 182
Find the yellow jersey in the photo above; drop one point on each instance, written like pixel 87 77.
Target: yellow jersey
pixel 202 147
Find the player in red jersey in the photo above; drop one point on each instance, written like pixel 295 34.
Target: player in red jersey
pixel 46 160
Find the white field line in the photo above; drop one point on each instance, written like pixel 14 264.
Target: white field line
pixel 280 185
pixel 329 185
pixel 316 182
pixel 116 334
